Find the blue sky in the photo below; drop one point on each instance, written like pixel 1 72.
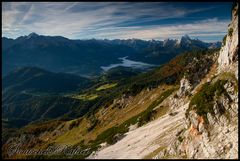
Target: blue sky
pixel 117 20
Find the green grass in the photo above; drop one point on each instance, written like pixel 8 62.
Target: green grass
pixel 93 123
pixel 203 101
pixel 230 31
pixel 224 40
pixel 73 124
pixel 231 77
pixel 154 153
pixel 85 97
pixel 142 118
pixel 180 139
pixel 147 114
pixel 106 86
pixel 38 128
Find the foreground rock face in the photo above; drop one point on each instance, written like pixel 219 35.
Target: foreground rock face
pixel 185 87
pixel 216 139
pixel 229 51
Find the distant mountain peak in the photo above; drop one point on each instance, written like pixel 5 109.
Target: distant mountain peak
pixel 186 36
pixel 169 42
pixel 185 40
pixel 33 34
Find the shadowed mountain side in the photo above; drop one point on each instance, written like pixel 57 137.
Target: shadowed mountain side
pixel 85 57
pixel 33 78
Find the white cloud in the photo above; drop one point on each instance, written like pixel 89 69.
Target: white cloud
pixel 209 27
pixel 102 20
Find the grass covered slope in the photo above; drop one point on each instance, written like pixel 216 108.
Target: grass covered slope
pixel 32 94
pixel 203 101
pixel 36 79
pixel 106 86
pixel 121 104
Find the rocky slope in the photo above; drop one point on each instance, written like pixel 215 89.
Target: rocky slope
pixel 141 142
pixel 190 129
pixel 216 136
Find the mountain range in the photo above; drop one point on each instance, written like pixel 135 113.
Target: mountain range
pixel 85 57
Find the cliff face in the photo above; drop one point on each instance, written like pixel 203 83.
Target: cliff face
pixel 215 137
pixel 229 51
pixel 213 134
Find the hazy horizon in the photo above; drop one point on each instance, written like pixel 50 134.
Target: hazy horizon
pixel 116 38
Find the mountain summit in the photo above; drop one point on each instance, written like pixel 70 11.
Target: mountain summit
pixel 186 36
pixel 31 35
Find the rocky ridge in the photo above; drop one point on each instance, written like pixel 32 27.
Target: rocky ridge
pixel 218 136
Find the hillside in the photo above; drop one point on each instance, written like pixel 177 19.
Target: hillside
pixel 32 93
pixel 36 79
pixel 136 96
pixel 186 108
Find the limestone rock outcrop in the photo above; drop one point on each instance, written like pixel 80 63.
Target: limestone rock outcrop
pixel 229 51
pixel 185 87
